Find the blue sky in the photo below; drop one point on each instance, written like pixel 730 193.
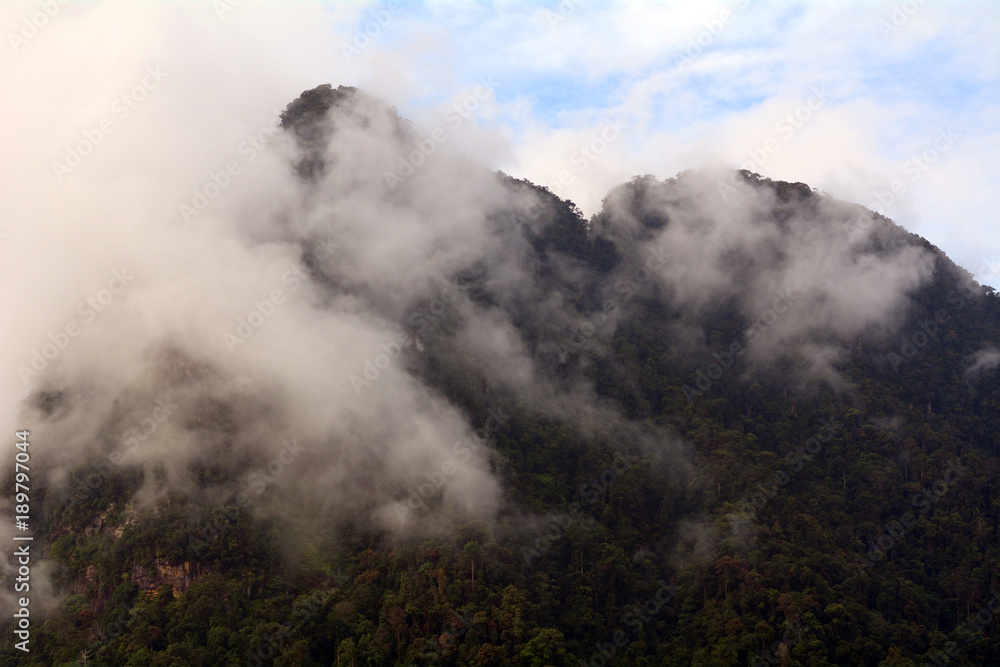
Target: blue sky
pixel 649 88
pixel 896 73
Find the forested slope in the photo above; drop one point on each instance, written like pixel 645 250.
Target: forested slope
pixel 728 420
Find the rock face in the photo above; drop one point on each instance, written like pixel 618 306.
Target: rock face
pixel 180 577
pixel 99 524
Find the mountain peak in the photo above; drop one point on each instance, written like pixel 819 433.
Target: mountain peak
pixel 310 120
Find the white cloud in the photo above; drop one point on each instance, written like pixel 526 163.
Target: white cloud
pixel 226 75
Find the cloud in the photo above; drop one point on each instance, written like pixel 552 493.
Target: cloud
pixel 786 261
pixel 261 279
pixel 183 256
pixel 193 198
pixel 983 361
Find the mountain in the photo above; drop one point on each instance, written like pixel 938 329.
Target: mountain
pixel 725 421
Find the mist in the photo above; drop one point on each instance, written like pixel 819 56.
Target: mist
pixel 245 301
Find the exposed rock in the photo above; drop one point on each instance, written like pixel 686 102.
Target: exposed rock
pixel 180 577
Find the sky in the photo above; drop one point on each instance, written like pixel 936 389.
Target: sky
pixel 691 84
pixel 700 84
pixel 148 212
pixel 114 111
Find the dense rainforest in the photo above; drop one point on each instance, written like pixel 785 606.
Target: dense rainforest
pixel 744 423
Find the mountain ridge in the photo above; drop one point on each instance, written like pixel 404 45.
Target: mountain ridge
pixel 684 431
